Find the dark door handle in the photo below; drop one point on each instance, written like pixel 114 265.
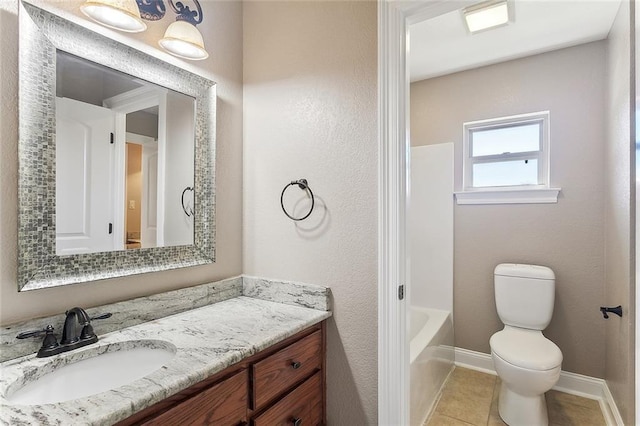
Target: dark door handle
pixel 295 365
pixel 296 422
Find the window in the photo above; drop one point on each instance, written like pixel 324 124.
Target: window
pixel 507 155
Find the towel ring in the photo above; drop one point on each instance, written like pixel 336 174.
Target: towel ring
pixel 304 185
pixel 189 212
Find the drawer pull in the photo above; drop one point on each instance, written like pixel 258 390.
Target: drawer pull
pixel 296 422
pixel 295 365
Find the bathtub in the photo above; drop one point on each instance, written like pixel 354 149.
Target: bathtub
pixel 431 355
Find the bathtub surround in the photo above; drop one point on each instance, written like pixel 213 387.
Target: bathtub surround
pixel 235 329
pixel 431 355
pixel 430 226
pixel 144 309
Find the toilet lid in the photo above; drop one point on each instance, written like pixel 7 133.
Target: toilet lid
pixel 526 349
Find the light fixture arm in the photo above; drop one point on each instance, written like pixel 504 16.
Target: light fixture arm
pixel 154 10
pixel 185 14
pixel 151 10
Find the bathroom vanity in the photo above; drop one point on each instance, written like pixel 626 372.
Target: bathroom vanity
pixel 283 384
pixel 255 358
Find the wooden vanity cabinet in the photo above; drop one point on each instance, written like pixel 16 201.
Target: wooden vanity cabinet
pixel 224 404
pixel 281 385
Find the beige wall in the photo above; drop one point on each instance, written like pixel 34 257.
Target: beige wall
pixel 222 30
pixel 620 335
pixel 133 188
pixel 566 236
pixel 310 111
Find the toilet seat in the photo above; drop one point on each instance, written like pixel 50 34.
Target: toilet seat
pixel 526 349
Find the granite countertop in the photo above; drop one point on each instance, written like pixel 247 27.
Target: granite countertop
pixel 207 340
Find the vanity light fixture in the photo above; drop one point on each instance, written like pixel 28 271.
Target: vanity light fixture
pixel 120 15
pixel 486 15
pixel 181 38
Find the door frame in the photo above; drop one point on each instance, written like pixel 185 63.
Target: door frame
pixel 123 104
pixel 394 19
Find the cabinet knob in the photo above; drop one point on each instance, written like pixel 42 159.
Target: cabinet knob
pixel 296 422
pixel 295 365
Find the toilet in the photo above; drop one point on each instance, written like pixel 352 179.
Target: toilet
pixel 527 363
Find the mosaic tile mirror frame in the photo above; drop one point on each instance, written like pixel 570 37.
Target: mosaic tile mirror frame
pixel 41 35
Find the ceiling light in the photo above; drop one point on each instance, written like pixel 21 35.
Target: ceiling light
pixel 121 15
pixel 486 15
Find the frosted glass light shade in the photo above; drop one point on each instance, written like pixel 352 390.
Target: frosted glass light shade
pixel 120 15
pixel 183 39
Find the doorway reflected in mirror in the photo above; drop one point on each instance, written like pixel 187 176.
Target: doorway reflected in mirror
pixel 124 153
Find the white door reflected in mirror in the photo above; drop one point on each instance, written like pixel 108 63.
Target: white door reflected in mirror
pixel 124 155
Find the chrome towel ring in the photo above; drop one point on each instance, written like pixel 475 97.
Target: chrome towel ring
pixel 304 185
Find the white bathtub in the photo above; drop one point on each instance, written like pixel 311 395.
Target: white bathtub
pixel 431 355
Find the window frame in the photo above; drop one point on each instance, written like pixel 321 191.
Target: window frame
pixel 542 155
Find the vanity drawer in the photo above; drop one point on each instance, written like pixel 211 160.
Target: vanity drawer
pixel 302 407
pixel 280 371
pixel 223 404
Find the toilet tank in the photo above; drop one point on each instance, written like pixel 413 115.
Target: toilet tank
pixel 524 295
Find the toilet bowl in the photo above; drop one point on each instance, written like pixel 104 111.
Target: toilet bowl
pixel 527 363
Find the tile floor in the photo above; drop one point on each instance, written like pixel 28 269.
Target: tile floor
pixel 471 398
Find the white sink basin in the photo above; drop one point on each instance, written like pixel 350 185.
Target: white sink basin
pixel 123 363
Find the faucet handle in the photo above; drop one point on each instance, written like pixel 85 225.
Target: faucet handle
pixel 49 344
pixel 87 330
pixel 35 333
pixel 49 341
pixel 102 316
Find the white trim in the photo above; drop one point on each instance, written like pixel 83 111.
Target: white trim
pixel 393 345
pixel 509 196
pixel 474 360
pixel 120 193
pixel 571 383
pixel 136 99
pixel 609 408
pixel 394 18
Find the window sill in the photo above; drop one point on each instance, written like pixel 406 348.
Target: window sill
pixel 509 196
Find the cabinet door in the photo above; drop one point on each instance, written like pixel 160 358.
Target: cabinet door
pixel 301 407
pixel 223 404
pixel 282 370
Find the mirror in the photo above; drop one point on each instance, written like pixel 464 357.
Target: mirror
pixel 154 187
pixel 124 160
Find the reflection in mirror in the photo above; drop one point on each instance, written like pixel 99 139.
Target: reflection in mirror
pixel 43 260
pixel 124 156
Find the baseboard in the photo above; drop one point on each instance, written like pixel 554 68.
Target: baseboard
pixel 575 384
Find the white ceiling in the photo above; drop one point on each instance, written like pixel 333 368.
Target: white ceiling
pixel 442 45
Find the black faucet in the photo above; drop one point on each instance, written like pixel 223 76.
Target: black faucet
pixel 76 317
pixel 71 337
